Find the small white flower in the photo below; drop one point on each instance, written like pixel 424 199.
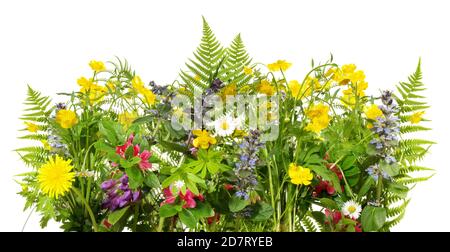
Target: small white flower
pixel 179 184
pixel 351 209
pixel 224 126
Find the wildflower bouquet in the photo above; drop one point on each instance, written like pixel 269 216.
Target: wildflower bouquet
pixel 231 146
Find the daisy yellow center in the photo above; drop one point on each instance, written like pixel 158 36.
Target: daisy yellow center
pixel 224 126
pixel 351 209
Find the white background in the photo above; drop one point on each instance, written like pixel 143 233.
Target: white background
pixel 48 44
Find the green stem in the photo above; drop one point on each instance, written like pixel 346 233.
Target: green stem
pixel 86 204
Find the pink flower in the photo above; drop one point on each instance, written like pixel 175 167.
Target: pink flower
pixel 121 149
pixel 170 199
pixel 189 199
pixel 144 164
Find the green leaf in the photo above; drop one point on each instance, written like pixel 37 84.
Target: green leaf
pixel 167 210
pixel 135 177
pixel 397 189
pixel 173 146
pixel 348 162
pixel 391 169
pixel 202 210
pixel 108 130
pixel 188 218
pixel 319 216
pixel 263 213
pixel 236 204
pixel 366 187
pixel 329 203
pixel 151 180
pixel 327 175
pixel 373 218
pixel 115 216
pixel 170 180
pixel 143 119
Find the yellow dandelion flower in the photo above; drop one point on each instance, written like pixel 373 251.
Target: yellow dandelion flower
pixel 97 65
pixel 197 77
pixel 279 65
pixel 66 118
pixel 416 117
pixel 299 175
pixel 55 177
pixel 203 139
pixel 31 127
pixel 373 112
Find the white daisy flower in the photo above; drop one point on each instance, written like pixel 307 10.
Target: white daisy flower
pixel 224 126
pixel 351 209
pixel 179 184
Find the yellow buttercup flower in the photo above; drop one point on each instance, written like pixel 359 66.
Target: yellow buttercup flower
pixel 266 88
pixel 348 68
pixel 203 139
pixel 97 65
pixel 357 76
pixel 55 177
pixel 319 118
pixel 127 118
pixel 229 90
pixel 248 70
pixel 294 86
pixel 279 65
pixel 416 117
pixel 84 83
pixel 149 96
pixel 197 77
pixel 31 127
pixel 300 175
pixel 66 118
pixel 137 84
pixel 347 74
pixel 96 92
pixel 373 112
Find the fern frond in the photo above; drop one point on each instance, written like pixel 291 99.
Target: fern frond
pixel 206 61
pixel 33 156
pixel 37 107
pixel 413 168
pixel 309 224
pixel 412 128
pixel 236 59
pixel 410 180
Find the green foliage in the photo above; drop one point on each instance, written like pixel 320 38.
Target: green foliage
pixel 37 107
pixel 211 60
pixel 236 59
pixel 409 151
pixel 373 218
pixel 236 204
pixel 204 66
pixel 37 111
